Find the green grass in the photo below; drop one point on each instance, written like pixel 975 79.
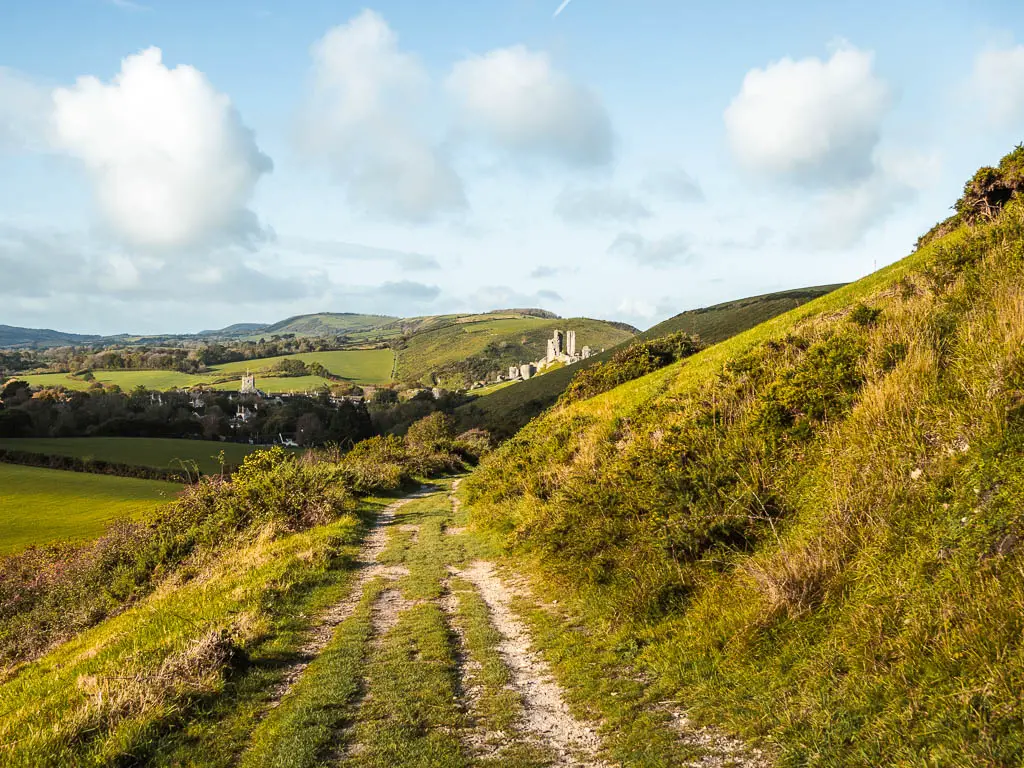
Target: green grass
pixel 363 366
pixel 809 533
pixel 38 506
pixel 261 597
pixel 161 453
pixel 306 725
pixel 327 324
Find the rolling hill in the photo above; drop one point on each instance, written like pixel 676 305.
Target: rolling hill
pixel 810 533
pixel 505 410
pixel 328 324
pixel 463 349
pixel 13 337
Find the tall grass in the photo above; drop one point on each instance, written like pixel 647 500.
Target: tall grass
pixel 811 532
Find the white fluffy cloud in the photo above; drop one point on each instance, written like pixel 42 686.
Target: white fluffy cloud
pixel 515 98
pixel 172 163
pixel 810 121
pixel 363 118
pixel 998 82
pixel 840 218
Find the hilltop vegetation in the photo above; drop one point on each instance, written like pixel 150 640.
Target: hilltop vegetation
pixel 810 533
pixel 505 411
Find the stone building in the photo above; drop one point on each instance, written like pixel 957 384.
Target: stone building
pixel 561 348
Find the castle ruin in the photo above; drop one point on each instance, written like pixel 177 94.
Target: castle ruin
pixel 561 348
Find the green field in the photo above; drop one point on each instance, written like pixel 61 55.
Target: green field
pixel 161 453
pixel 44 505
pixel 363 366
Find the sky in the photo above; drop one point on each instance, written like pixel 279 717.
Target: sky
pixel 180 165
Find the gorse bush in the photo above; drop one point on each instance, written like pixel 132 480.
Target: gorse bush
pixel 630 363
pixel 812 531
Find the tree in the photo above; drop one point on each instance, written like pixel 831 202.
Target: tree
pixel 14 422
pixel 15 389
pixel 384 396
pixel 433 433
pixel 308 429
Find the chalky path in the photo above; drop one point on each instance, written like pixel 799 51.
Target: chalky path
pixel 436 667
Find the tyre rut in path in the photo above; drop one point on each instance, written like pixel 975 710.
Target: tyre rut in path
pixel 546 716
pixel 367 568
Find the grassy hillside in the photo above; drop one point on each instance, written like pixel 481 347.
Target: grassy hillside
pixel 810 533
pixel 39 506
pixel 160 453
pixel 326 324
pixel 722 321
pixel 505 410
pixel 466 349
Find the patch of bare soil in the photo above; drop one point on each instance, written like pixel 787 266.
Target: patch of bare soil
pixel 546 716
pixel 367 568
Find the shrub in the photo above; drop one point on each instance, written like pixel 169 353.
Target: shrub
pixel 630 363
pixel 865 316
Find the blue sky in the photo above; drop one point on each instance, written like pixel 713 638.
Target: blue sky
pixel 173 166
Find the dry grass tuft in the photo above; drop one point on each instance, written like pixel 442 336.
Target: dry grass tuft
pixel 795 579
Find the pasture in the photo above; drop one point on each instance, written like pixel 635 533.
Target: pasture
pixel 161 453
pixel 39 506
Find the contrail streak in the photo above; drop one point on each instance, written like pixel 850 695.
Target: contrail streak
pixel 562 7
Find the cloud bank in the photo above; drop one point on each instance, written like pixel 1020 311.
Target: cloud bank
pixel 997 81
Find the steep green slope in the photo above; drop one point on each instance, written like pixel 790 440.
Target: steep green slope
pixel 507 410
pixel 722 321
pixel 470 348
pixel 811 533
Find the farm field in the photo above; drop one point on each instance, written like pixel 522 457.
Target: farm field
pixel 161 453
pixel 38 506
pixel 363 366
